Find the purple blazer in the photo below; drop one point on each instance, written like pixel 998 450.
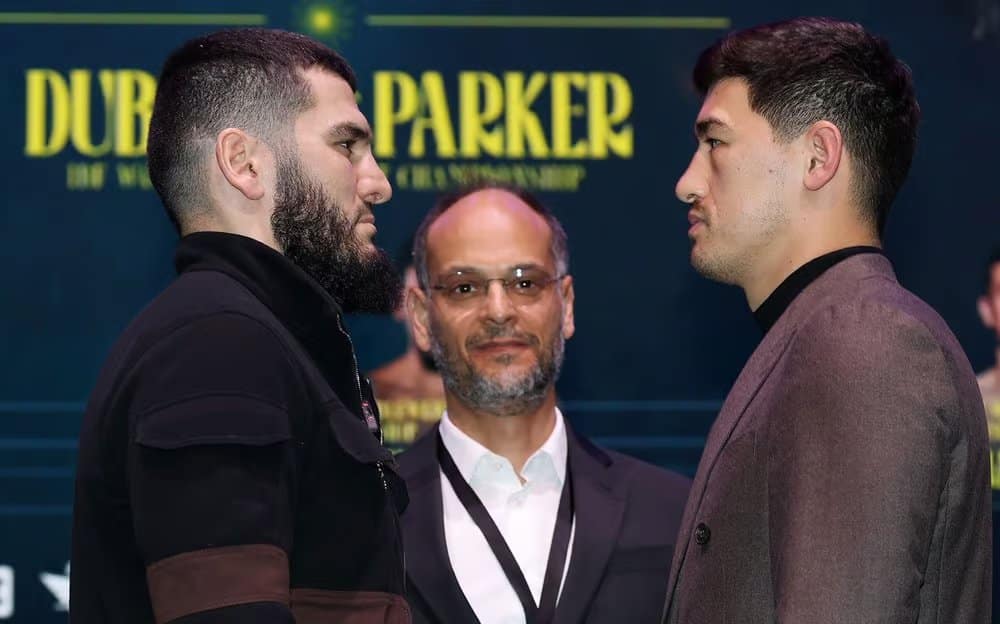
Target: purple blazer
pixel 846 477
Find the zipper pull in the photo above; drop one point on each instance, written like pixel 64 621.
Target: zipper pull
pixel 370 420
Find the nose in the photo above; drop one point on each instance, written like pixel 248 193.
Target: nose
pixel 499 308
pixel 692 184
pixel 373 186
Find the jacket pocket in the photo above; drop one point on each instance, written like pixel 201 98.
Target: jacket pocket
pixel 212 419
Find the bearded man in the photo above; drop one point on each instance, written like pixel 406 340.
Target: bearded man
pixel 230 439
pixel 516 518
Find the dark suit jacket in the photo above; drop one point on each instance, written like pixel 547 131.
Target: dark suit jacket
pixel 627 513
pixel 846 477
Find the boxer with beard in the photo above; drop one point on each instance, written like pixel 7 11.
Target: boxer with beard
pixel 230 465
pixel 514 516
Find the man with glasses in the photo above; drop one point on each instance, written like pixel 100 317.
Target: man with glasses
pixel 513 516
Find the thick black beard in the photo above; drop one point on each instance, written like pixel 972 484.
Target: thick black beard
pixel 315 234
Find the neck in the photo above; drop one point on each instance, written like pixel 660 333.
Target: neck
pixel 215 222
pixel 791 257
pixel 515 437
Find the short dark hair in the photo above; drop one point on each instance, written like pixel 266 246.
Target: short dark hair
pixel 809 69
pixel 246 78
pixel 559 245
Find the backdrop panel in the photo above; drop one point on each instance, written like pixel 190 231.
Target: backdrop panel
pixel 587 103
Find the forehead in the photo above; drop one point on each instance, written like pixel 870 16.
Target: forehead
pixel 333 100
pixel 728 102
pixel 488 229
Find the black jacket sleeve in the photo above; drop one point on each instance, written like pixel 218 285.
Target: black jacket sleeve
pixel 212 471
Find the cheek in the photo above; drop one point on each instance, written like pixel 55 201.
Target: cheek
pixel 546 325
pixel 450 332
pixel 744 187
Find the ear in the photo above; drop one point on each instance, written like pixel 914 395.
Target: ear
pixel 238 156
pixel 986 312
pixel 568 295
pixel 824 149
pixel 418 317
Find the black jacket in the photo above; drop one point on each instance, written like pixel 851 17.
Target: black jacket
pixel 627 516
pixel 226 471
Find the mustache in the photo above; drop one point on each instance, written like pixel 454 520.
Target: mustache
pixel 493 332
pixel 367 212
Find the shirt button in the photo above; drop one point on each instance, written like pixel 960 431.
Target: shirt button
pixel 702 534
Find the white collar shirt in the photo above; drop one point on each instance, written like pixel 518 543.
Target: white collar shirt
pixel 524 513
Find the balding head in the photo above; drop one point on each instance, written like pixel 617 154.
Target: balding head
pixel 495 305
pixel 485 206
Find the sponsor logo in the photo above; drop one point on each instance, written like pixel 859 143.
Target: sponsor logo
pixel 58 586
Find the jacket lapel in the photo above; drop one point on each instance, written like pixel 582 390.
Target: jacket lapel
pixel 598 512
pixel 832 283
pixel 749 382
pixel 428 566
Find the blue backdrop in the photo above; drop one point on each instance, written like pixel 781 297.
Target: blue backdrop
pixel 585 102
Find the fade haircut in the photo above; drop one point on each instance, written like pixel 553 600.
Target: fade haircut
pixel 559 247
pixel 809 69
pixel 247 78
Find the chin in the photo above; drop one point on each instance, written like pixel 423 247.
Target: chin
pixel 704 265
pixel 368 247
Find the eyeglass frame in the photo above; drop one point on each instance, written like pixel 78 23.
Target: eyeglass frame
pixel 506 283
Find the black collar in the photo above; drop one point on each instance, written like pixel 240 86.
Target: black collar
pixel 775 305
pixel 295 298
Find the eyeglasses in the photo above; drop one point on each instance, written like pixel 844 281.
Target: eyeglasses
pixel 522 285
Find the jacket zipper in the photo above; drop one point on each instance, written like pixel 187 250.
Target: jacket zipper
pixel 369 415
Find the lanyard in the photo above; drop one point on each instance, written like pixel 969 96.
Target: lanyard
pixel 544 612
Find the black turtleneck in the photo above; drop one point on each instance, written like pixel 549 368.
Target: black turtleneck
pixel 768 313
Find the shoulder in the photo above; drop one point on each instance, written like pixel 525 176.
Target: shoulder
pixel 418 463
pixel 879 349
pixel 640 478
pixel 206 344
pixel 645 478
pixel 880 325
pixel 189 301
pixel 654 498
pixel 220 378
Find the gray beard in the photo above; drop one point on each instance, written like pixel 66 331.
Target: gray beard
pixel 500 397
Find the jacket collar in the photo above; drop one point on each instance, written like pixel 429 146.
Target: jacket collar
pixel 295 298
pixel 600 504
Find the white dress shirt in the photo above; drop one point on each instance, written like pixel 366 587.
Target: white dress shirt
pixel 525 515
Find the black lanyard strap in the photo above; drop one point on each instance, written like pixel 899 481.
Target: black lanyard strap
pixel 534 614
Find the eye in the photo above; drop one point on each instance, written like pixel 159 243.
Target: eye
pixel 712 143
pixel 525 285
pixel 463 290
pixel 346 146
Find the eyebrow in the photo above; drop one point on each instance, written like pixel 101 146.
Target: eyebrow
pixel 480 271
pixel 348 131
pixel 703 126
